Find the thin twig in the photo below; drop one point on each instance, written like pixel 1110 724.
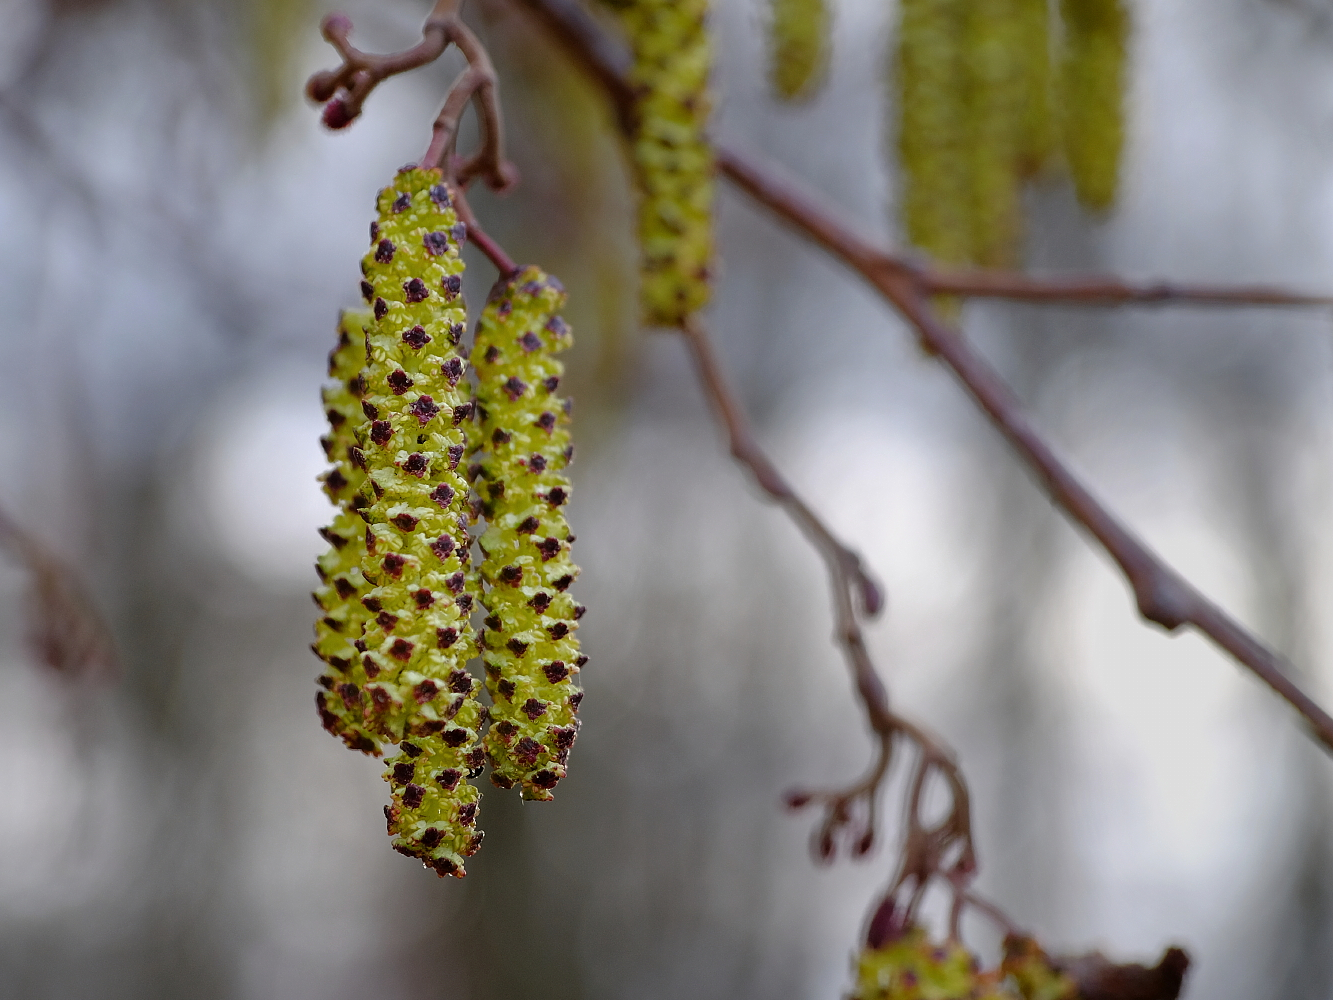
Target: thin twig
pixel 483 240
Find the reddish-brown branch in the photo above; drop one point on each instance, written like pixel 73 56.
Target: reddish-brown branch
pixel 484 242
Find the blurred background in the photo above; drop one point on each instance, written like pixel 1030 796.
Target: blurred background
pixel 181 236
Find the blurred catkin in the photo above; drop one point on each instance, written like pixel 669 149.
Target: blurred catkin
pixel 1092 85
pixel 798 47
pixel 672 157
pixel 529 647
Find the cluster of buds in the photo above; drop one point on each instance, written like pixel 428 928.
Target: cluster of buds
pixel 672 157
pixel 529 646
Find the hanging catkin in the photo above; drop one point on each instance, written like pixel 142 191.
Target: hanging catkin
pixel 342 585
pixel 1039 137
pixel 529 648
pixel 931 93
pixel 1092 80
pixel 417 639
pixel 912 967
pixel 672 158
pixel 798 35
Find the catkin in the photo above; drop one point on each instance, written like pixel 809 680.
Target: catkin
pixel 1092 79
pixel 1038 138
pixel 339 568
pixel 798 47
pixel 1032 974
pixel 417 640
pixel 529 647
pixel 672 158
pixel 932 127
pixel 912 967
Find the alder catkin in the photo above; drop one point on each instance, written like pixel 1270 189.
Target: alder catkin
pixel 672 158
pixel 1039 137
pixel 798 47
pixel 529 647
pixel 1092 85
pixel 1030 971
pixel 417 639
pixel 339 568
pixel 912 967
pixel 930 74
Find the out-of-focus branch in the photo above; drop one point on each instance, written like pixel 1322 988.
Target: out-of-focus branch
pixel 1162 595
pixel 64 627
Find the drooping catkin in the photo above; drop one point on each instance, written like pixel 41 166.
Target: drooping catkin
pixel 1039 137
pixel 417 641
pixel 529 647
pixel 342 585
pixel 1092 86
pixel 932 127
pixel 798 47
pixel 672 158
pixel 912 967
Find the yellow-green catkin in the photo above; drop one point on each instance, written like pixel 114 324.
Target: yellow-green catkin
pixel 993 102
pixel 798 47
pixel 930 75
pixel 417 641
pixel 912 967
pixel 1032 974
pixel 1092 86
pixel 672 158
pixel 529 646
pixel 1039 137
pixel 339 568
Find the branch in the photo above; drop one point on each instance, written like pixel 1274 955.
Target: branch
pixel 1162 595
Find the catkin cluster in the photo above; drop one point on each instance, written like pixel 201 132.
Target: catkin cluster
pixel 798 33
pixel 981 111
pixel 529 647
pixel 672 158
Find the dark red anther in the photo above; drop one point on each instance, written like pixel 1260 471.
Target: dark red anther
pixel 345 588
pixel 386 620
pixel 537 462
pixel 552 383
pixel 430 839
pixel 528 750
pixel 455 453
pixel 443 495
pixel 455 333
pixel 399 381
pixel 463 411
pixel 372 603
pixel 575 700
pixel 402 203
pixel 393 565
pixel 512 574
pixel 452 370
pixel 558 631
pixel 404 521
pixel 556 671
pixel 424 409
pixel 515 387
pixel 527 526
pixel 459 232
pixel 563 583
pixel 467 813
pixel 440 195
pixel 455 737
pixel 416 338
pixel 384 251
pixel 529 341
pixel 534 708
pixel 336 480
pixel 446 637
pixel 569 454
pixel 493 622
pixel 549 548
pixel 540 602
pixel 546 421
pixel 558 326
pixel 442 547
pixel 557 496
pixel 415 290
pixel 455 584
pixel 425 691
pixel 464 603
pixel 423 597
pixel 436 243
pixel 492 354
pixel 381 310
pixel 506 688
pixel 517 646
pixel 545 779
pixel 504 309
pixel 401 650
pixel 579 609
pixel 403 772
pixel 371 411
pixel 367 291
pixel 451 285
pixel 411 749
pixel 413 795
pixel 448 779
pixel 416 464
pixel 564 736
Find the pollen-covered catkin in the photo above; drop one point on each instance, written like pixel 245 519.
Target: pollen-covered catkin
pixel 1092 79
pixel 932 127
pixel 798 47
pixel 342 585
pixel 418 640
pixel 529 647
pixel 672 158
pixel 912 967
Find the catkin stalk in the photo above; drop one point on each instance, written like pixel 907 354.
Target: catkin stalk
pixel 529 646
pixel 417 641
pixel 1096 36
pixel 798 47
